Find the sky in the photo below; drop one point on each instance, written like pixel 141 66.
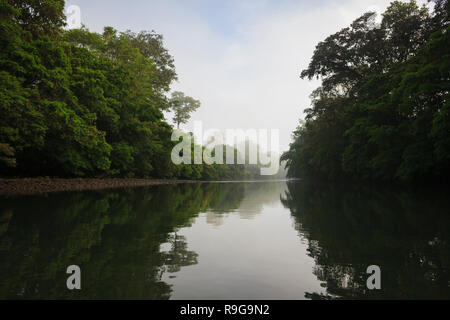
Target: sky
pixel 241 58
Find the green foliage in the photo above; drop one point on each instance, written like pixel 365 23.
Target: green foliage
pixel 39 17
pixel 7 156
pixel 182 107
pixel 382 111
pixel 75 103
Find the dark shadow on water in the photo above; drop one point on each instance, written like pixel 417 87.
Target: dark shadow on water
pixel 114 236
pixel 405 232
pixel 128 241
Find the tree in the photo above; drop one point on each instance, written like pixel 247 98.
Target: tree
pixel 150 45
pixel 182 106
pixel 40 17
pixel 75 103
pixel 382 110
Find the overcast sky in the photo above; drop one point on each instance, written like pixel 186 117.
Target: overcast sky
pixel 240 58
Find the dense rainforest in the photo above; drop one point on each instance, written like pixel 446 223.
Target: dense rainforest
pixel 382 112
pixel 75 103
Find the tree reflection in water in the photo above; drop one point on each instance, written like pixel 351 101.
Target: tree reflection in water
pixel 128 242
pixel 114 236
pixel 406 233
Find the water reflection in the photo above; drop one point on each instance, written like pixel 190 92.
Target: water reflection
pixel 114 236
pixel 249 252
pixel 253 197
pixel 226 241
pixel 406 233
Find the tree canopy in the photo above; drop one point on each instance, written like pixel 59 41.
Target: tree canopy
pixel 75 103
pixel 382 112
pixel 182 106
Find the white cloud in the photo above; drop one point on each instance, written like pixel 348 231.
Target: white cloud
pixel 254 81
pixel 247 77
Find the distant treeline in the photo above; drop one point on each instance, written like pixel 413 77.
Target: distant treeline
pixel 74 103
pixel 382 112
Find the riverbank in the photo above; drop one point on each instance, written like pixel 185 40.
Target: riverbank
pixel 28 186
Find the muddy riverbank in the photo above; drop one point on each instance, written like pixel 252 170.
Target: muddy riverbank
pixel 45 185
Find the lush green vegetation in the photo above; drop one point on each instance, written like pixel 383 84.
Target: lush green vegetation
pixel 74 103
pixel 182 107
pixel 383 110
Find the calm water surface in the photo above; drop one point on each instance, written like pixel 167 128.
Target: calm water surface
pixel 260 240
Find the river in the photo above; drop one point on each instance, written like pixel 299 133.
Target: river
pixel 246 240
